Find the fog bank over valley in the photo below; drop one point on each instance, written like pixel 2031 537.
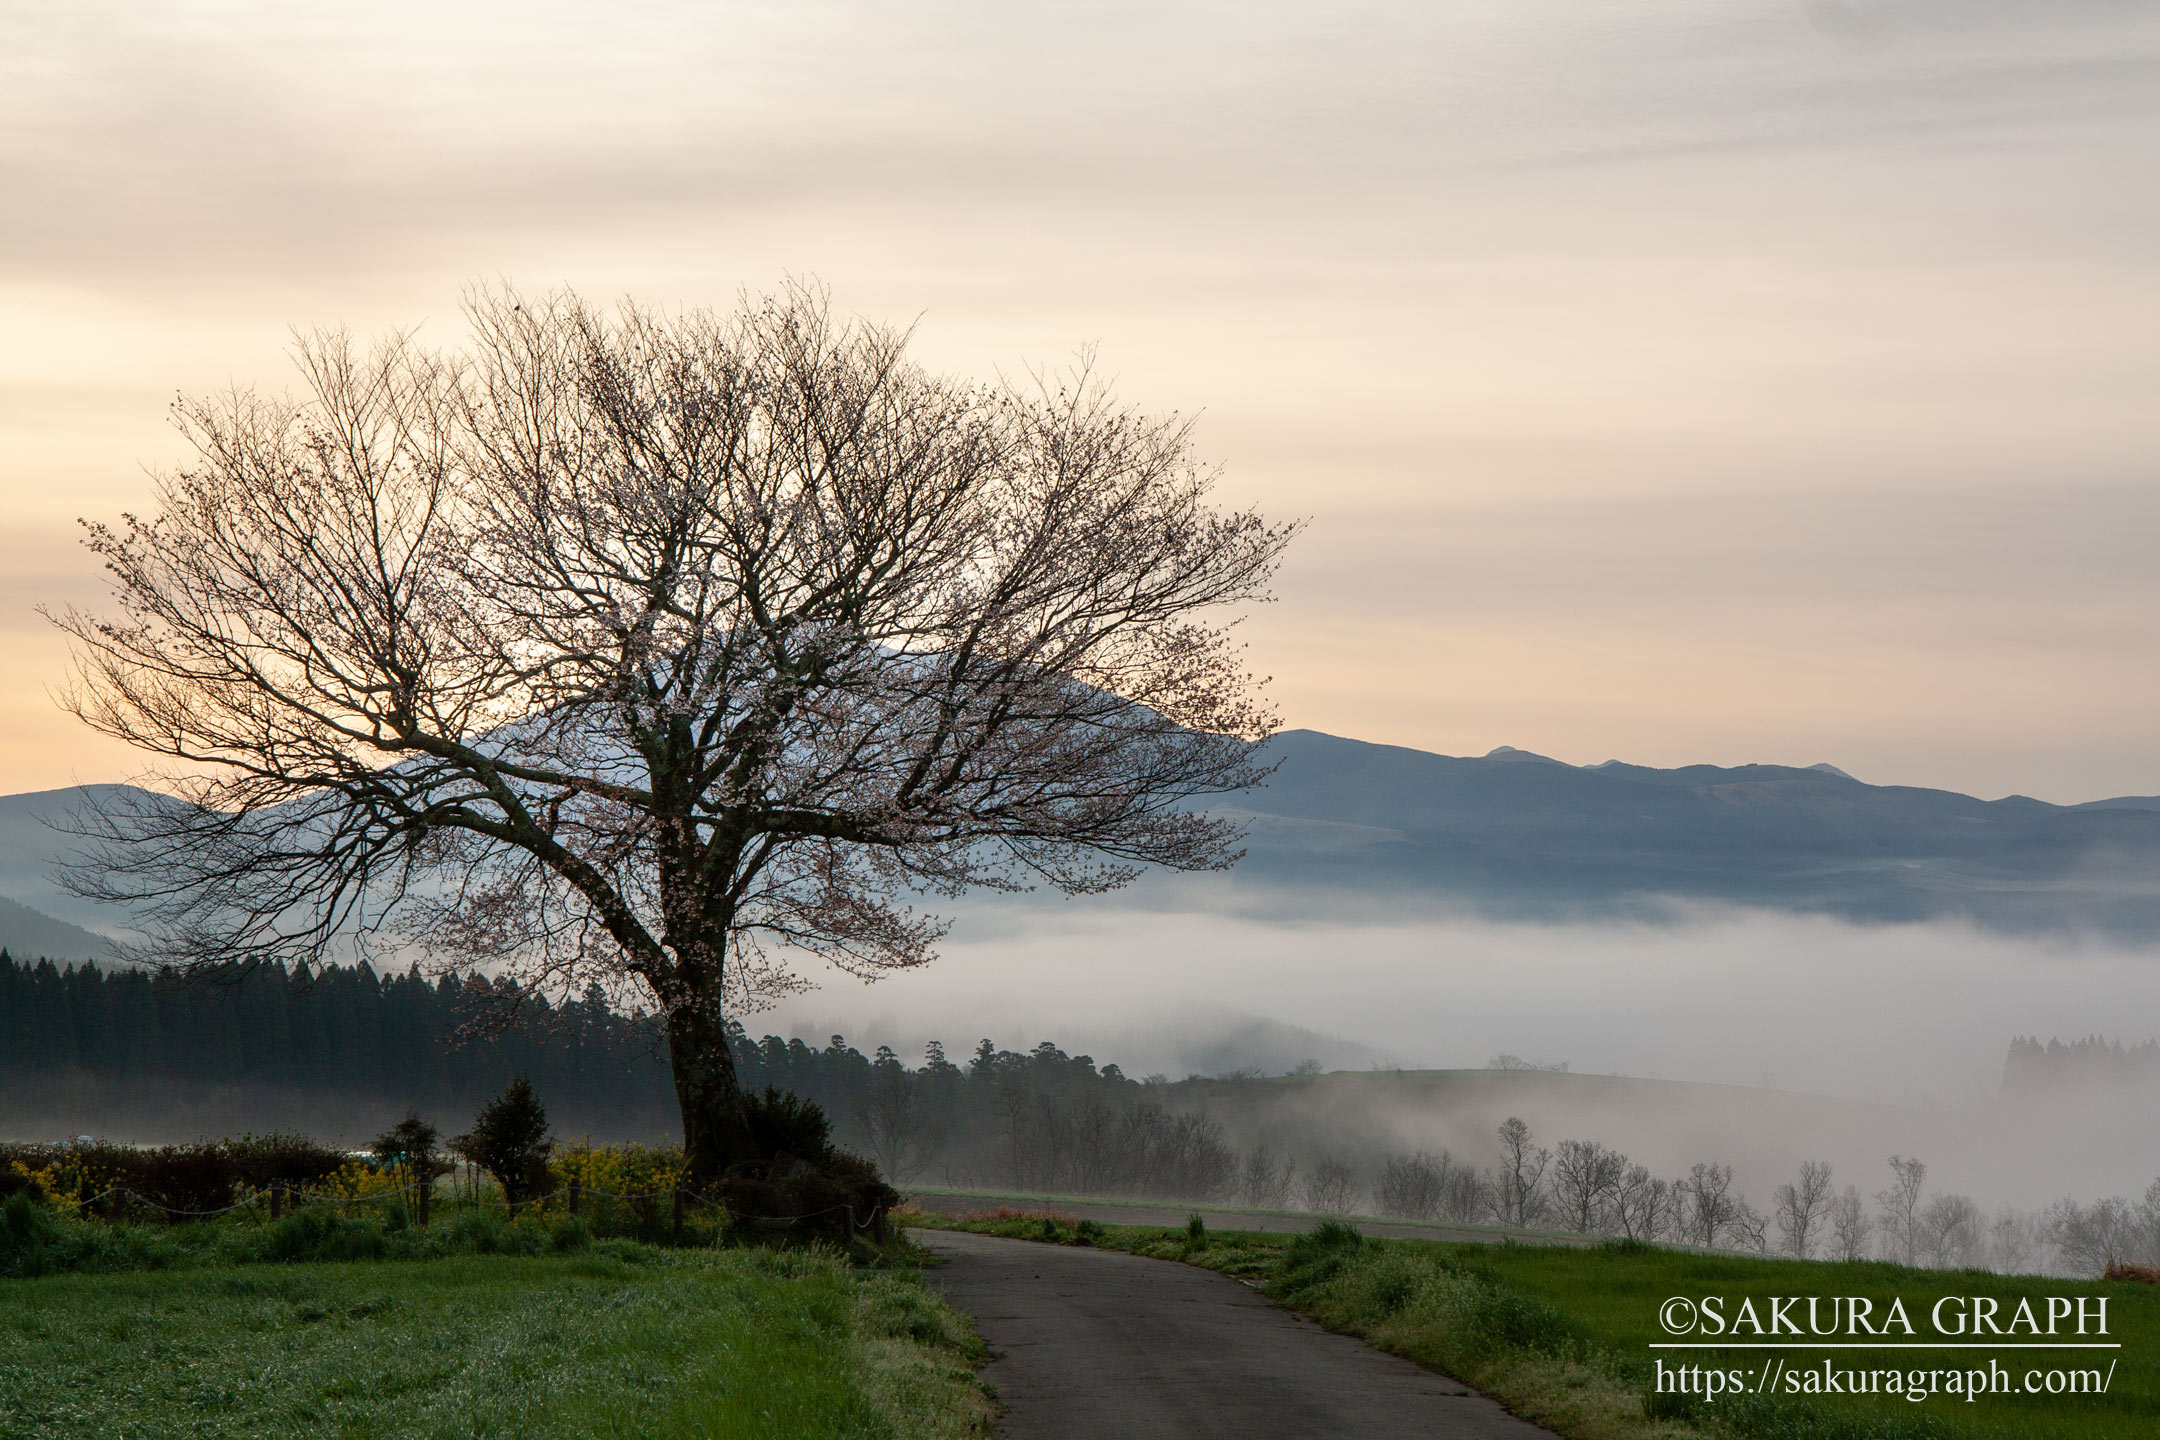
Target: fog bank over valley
pixel 1907 1014
pixel 1804 1037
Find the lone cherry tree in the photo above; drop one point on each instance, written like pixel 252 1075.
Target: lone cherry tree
pixel 664 650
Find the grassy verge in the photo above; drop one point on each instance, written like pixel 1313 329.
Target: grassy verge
pixel 949 1200
pixel 618 1339
pixel 1562 1336
pixel 1124 1210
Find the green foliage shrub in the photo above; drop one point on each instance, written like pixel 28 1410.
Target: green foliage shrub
pixel 782 1124
pixel 509 1139
pixel 28 1236
pixel 408 1149
pixel 801 1187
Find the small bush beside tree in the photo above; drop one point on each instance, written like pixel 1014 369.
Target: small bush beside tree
pixel 808 1186
pixel 510 1141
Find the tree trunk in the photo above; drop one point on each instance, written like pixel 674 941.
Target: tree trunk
pixel 716 1127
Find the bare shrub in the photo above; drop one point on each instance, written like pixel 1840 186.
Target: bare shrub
pixel 1175 1155
pixel 1585 1175
pixel 1800 1206
pixel 2014 1241
pixel 1332 1188
pixel 1465 1195
pixel 1899 1208
pixel 1092 1146
pixel 1266 1181
pixel 2088 1239
pixel 1750 1229
pixel 1709 1211
pixel 1412 1187
pixel 1851 1227
pixel 1518 1197
pixel 1643 1205
pixel 1952 1233
pixel 896 1119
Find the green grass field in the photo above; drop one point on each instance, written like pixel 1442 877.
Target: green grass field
pixel 1562 1335
pixel 618 1340
pixel 1615 1294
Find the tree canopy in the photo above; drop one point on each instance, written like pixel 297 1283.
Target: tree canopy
pixel 663 650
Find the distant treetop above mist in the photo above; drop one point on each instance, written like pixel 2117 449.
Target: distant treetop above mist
pixel 2032 1068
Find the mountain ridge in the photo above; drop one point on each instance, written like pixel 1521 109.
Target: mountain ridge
pixel 1543 840
pixel 1341 824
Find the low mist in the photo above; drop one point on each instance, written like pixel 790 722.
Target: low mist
pixel 1904 1014
pixel 1899 1032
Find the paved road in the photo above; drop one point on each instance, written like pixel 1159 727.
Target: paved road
pixel 1094 1345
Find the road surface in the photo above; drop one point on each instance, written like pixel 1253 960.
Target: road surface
pixel 1095 1345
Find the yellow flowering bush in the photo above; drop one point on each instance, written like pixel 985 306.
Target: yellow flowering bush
pixel 618 1170
pixel 358 1180
pixel 626 1187
pixel 78 1175
pixel 46 1185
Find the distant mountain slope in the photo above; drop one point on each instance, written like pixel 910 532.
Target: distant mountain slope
pixel 1343 824
pixel 1519 833
pixel 33 835
pixel 30 935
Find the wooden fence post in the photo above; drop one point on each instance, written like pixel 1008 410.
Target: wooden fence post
pixel 427 1191
pixel 678 1214
pixel 574 1188
pixel 277 1198
pixel 118 1208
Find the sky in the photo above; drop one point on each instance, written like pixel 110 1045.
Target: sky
pixel 1675 382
